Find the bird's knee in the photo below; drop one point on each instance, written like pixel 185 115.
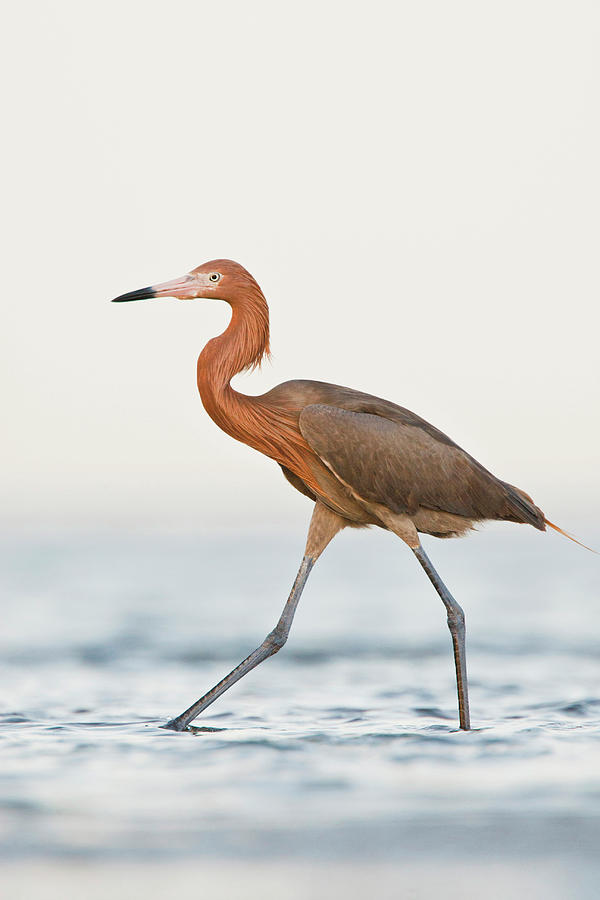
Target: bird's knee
pixel 456 618
pixel 275 640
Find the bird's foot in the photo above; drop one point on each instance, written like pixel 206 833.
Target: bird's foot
pixel 176 725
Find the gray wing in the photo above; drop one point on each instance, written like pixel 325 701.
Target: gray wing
pixel 404 465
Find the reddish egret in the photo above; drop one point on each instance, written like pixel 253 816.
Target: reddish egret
pixel 361 460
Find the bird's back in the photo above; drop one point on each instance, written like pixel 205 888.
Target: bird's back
pixel 386 455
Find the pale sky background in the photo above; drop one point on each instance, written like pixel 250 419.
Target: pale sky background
pixel 415 185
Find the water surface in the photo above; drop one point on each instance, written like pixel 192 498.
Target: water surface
pixel 341 754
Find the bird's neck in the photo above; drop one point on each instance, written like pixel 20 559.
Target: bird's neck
pixel 271 427
pixel 242 346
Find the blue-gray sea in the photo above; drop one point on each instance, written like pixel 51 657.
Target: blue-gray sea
pixel 336 768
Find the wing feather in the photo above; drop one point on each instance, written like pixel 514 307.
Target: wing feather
pixel 406 466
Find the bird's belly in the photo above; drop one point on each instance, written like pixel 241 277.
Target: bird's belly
pixel 441 524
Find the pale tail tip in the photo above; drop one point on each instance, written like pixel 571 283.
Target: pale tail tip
pixel 569 536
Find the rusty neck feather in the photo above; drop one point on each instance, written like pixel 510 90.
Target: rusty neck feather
pixel 270 428
pixel 242 345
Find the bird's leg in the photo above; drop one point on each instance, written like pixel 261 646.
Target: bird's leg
pixel 456 624
pixel 324 525
pixel 273 642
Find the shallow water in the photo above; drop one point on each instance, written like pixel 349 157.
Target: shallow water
pixel 341 752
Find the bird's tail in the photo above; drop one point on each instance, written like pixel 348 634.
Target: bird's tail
pixel 567 535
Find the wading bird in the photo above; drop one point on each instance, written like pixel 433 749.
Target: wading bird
pixel 362 460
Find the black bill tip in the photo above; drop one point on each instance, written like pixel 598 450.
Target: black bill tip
pixel 143 294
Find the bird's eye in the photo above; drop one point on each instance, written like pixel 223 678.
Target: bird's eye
pixel 214 276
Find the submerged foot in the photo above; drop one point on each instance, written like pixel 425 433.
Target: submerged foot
pixel 176 725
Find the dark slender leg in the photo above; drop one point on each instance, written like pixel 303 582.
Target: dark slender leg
pixel 324 525
pixel 456 624
pixel 273 642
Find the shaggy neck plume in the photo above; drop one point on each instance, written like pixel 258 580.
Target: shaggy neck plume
pixel 269 429
pixel 241 346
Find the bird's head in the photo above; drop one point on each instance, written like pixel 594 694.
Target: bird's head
pixel 219 279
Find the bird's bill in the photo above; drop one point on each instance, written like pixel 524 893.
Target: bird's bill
pixel 184 288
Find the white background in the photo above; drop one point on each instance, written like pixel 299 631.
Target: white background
pixel 414 185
